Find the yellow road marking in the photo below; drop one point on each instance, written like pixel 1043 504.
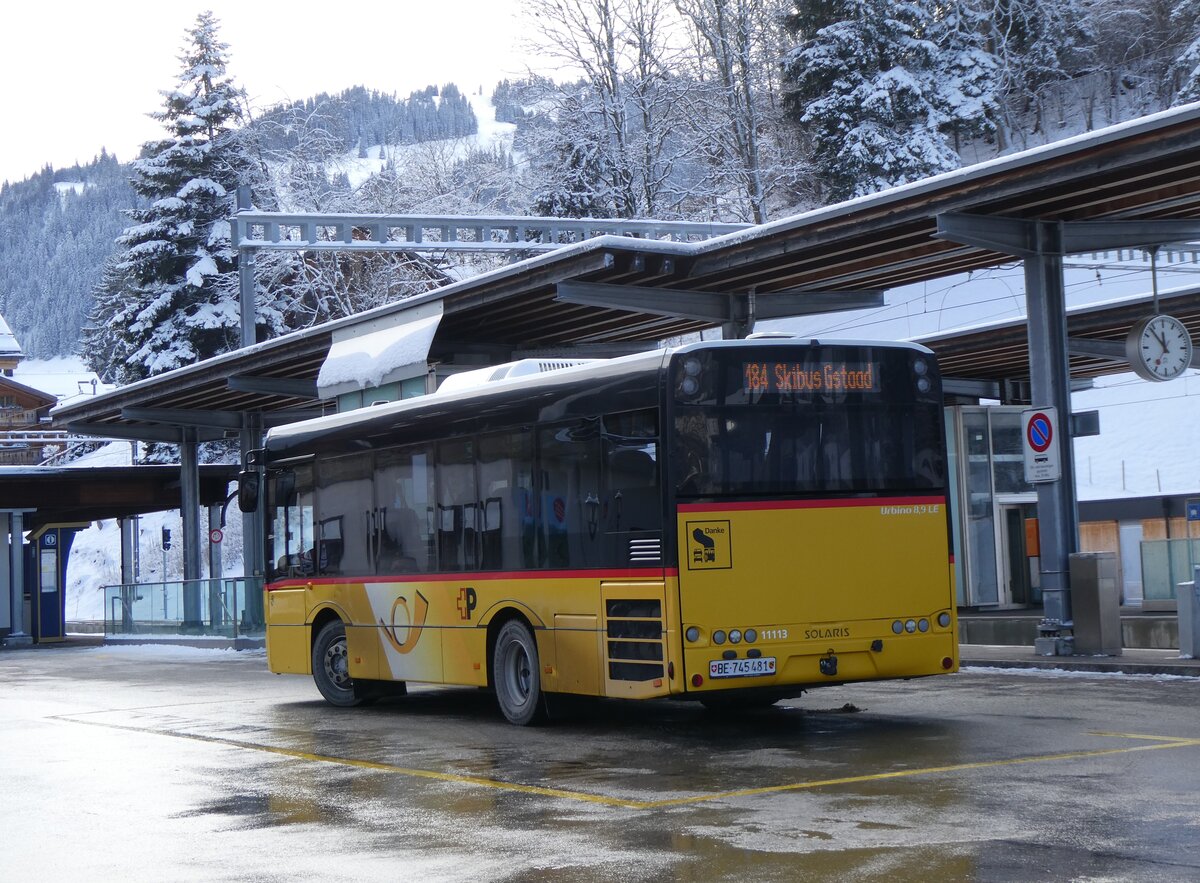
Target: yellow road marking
pixel 1157 743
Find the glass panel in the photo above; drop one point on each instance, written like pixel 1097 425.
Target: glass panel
pixel 569 462
pixel 457 506
pixel 508 538
pixel 1156 571
pixel 632 500
pixel 775 450
pixel 402 529
pixel 952 456
pixel 344 496
pixel 1008 452
pixel 983 586
pixel 414 386
pixel 291 541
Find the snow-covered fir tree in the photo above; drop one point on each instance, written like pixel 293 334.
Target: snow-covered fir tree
pixel 170 294
pixel 1185 18
pixel 877 93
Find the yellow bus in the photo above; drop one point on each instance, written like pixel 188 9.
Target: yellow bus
pixel 733 522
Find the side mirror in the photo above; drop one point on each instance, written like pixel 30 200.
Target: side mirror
pixel 249 489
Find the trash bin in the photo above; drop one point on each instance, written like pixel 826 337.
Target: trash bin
pixel 1188 597
pixel 1095 604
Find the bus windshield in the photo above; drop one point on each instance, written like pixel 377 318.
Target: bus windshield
pixel 833 422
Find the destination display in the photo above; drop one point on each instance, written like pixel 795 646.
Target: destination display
pixel 809 377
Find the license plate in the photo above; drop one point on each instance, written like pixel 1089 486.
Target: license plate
pixel 741 668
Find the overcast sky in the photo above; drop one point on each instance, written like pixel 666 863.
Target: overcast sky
pixel 78 76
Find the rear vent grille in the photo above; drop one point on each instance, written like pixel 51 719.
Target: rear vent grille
pixel 646 550
pixel 635 639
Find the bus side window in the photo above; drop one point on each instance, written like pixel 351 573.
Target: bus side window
pixel 292 538
pixel 632 500
pixel 344 490
pixel 404 499
pixel 506 492
pixel 571 516
pixel 458 506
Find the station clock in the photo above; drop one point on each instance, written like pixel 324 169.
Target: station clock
pixel 1158 348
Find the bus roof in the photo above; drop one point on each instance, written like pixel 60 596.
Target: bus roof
pixel 536 398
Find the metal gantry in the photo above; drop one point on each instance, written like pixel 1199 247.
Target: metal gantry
pixel 450 233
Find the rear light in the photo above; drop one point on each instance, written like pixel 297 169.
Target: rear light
pixel 692 634
pixel 697 680
pixel 944 619
pixel 947 663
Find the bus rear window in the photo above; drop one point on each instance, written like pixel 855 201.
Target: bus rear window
pixel 783 451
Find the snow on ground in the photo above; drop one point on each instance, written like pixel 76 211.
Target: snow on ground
pixel 1066 673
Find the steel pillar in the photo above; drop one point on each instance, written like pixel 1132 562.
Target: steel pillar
pixel 129 541
pixel 5 575
pixel 253 541
pixel 190 511
pixel 1050 383
pixel 17 637
pixel 245 270
pixel 1042 245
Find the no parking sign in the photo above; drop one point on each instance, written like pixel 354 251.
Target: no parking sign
pixel 1040 434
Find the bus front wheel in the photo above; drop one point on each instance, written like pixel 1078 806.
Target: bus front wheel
pixel 517 674
pixel 331 666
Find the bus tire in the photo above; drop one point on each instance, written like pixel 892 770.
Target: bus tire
pixel 517 674
pixel 331 666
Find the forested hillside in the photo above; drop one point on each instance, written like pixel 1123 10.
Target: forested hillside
pixel 56 229
pixel 59 226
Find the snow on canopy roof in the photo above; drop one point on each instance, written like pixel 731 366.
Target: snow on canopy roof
pixel 1041 153
pixel 379 352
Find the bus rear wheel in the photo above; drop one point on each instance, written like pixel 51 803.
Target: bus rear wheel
pixel 517 674
pixel 331 666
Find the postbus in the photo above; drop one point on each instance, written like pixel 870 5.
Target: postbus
pixel 734 522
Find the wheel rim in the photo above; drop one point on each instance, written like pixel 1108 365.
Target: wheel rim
pixel 517 674
pixel 337 664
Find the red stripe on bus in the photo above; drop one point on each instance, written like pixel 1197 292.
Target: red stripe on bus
pixel 840 503
pixel 481 576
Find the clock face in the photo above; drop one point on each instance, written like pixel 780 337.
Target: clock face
pixel 1159 348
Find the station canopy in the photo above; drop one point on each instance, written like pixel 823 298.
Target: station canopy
pixel 624 292
pixel 75 494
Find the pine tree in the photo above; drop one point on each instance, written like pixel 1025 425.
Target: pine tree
pixel 171 292
pixel 1186 18
pixel 879 85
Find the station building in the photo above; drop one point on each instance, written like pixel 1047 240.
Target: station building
pixel 1133 185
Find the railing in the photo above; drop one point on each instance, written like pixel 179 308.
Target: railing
pixel 229 607
pixel 276 230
